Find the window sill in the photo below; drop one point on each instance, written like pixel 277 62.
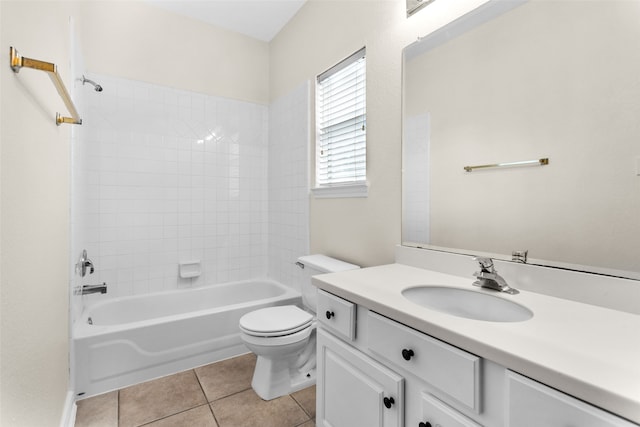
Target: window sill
pixel 360 189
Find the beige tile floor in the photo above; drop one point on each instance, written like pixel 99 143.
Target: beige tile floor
pixel 216 395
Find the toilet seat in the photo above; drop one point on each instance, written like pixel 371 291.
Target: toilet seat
pixel 275 321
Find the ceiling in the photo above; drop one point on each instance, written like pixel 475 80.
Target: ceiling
pixel 260 19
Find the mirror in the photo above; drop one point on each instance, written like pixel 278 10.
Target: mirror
pixel 520 81
pixel 415 5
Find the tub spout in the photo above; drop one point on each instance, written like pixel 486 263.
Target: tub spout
pixel 90 289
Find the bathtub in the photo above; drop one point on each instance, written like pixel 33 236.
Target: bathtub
pixel 124 341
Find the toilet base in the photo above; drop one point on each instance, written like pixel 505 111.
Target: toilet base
pixel 270 384
pixel 278 376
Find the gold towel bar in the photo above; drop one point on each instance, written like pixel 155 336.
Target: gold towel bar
pixel 541 162
pixel 17 62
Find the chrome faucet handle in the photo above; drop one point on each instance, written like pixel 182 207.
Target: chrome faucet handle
pixel 486 264
pixel 84 264
pixel 88 264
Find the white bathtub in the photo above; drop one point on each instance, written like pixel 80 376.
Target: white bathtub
pixel 135 339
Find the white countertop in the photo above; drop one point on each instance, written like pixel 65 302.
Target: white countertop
pixel 589 352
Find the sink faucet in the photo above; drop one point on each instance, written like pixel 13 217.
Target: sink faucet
pixel 90 289
pixel 489 278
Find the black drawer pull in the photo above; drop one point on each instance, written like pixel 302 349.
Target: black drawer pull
pixel 388 402
pixel 330 314
pixel 427 424
pixel 407 354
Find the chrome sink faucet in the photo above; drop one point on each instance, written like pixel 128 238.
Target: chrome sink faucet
pixel 489 278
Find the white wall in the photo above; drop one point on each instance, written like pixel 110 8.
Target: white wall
pixel 363 231
pixel 34 232
pixel 141 42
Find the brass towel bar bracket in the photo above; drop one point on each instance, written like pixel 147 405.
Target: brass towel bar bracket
pixel 540 162
pixel 17 62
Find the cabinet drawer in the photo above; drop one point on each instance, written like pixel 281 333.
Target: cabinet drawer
pixel 532 404
pixel 449 369
pixel 337 314
pixel 437 413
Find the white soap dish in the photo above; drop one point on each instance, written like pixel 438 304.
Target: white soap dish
pixel 190 269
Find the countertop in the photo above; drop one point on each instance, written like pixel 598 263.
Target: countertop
pixel 589 352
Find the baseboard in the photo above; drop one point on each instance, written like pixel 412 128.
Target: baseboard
pixel 69 411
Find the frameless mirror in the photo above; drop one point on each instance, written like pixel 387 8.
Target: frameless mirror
pixel 415 5
pixel 521 81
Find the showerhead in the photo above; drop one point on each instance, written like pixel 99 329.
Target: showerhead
pixel 95 85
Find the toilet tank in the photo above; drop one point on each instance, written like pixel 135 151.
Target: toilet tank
pixel 318 264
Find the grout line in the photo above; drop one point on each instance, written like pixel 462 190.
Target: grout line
pixel 118 410
pixel 206 402
pixel 171 415
pixel 206 398
pixel 200 384
pixel 300 405
pixel 215 419
pixel 229 395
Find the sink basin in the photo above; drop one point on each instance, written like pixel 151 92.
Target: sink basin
pixel 468 303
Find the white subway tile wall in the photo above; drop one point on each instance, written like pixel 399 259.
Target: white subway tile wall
pixel 289 185
pixel 162 176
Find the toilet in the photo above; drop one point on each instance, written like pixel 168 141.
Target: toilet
pixel 284 337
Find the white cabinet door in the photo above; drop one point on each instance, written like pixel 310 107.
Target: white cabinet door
pixel 353 390
pixel 532 404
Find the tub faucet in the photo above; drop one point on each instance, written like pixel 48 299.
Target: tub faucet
pixel 489 278
pixel 90 289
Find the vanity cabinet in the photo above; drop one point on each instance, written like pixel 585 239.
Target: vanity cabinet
pixel 383 373
pixel 354 390
pixel 378 372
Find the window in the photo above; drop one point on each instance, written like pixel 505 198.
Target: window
pixel 341 144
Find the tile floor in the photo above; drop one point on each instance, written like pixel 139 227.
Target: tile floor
pixel 216 395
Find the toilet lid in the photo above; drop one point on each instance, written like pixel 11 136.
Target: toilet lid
pixel 271 321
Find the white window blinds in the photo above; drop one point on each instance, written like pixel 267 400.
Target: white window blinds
pixel 341 149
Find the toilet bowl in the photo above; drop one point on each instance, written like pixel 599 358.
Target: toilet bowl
pixel 284 337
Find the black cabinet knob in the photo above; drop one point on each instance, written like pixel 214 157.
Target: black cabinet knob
pixel 407 354
pixel 388 402
pixel 427 424
pixel 329 314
